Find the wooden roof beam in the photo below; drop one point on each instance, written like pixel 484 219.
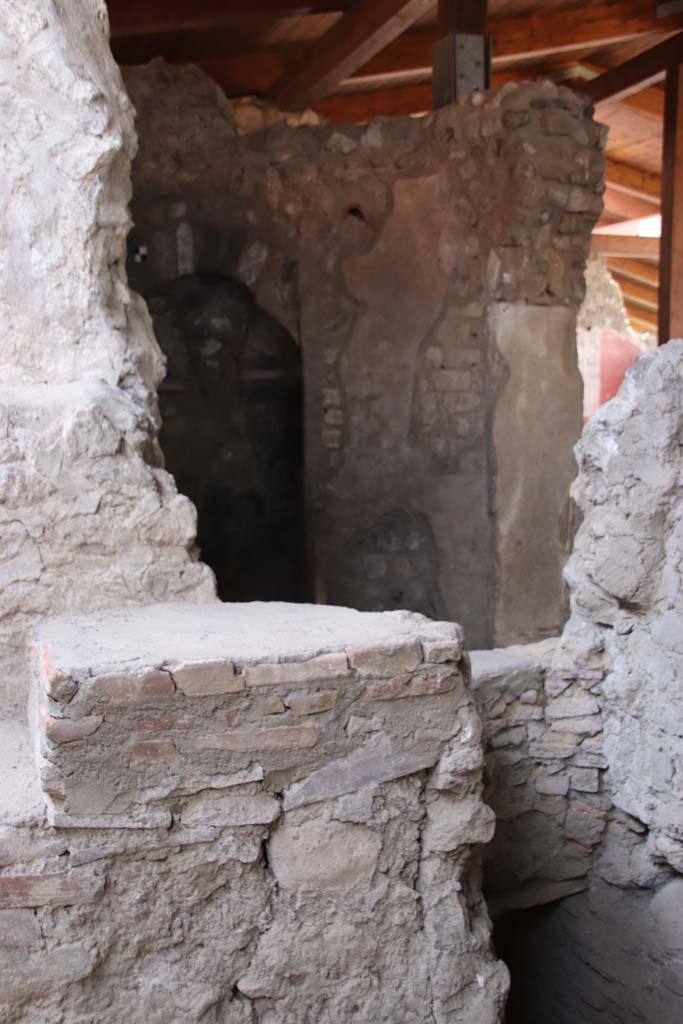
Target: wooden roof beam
pixel 636 270
pixel 367 28
pixel 146 17
pixel 636 293
pixel 636 74
pixel 633 181
pixel 641 319
pixel 627 207
pixel 648 101
pixel 532 37
pixel 626 246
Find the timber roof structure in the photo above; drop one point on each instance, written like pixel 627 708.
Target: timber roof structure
pixel 352 60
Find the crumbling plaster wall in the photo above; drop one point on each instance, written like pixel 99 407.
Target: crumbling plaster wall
pixel 586 755
pixel 431 270
pixel 87 516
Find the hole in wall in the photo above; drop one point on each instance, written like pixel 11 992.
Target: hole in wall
pixel 355 213
pixel 232 432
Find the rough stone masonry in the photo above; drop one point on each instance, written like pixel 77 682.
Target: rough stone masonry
pixel 430 269
pixel 261 812
pixel 88 516
pixel 585 755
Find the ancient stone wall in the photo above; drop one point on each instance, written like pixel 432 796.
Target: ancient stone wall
pixel 87 516
pixel 430 270
pixel 585 743
pixel 257 813
pixel 544 770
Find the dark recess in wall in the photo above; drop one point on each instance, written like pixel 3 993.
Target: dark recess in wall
pixel 232 433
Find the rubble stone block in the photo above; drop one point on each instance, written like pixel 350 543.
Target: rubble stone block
pixel 206 678
pixel 322 855
pixel 313 703
pixel 225 809
pixel 19 928
pixel 386 661
pixel 60 730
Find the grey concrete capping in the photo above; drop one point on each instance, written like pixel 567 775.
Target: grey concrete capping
pixel 133 709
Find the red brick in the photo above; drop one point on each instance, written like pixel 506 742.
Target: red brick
pixel 120 688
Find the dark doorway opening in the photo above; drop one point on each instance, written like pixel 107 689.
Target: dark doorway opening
pixel 232 433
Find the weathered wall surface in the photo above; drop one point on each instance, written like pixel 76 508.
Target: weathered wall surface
pixel 544 770
pixel 537 414
pixel 426 267
pixel 586 752
pixel 247 826
pixel 87 516
pixel 625 578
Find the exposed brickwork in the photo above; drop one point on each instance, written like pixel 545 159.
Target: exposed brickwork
pixel 259 821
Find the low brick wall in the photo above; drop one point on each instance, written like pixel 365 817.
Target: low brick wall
pixel 266 812
pixel 544 768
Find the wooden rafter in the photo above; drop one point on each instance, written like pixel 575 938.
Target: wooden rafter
pixel 637 293
pixel 648 101
pixel 636 74
pixel 183 31
pixel 641 319
pixel 532 38
pixel 454 16
pixel 636 270
pixel 146 17
pixel 626 246
pixel 633 181
pixel 628 207
pixel 367 28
